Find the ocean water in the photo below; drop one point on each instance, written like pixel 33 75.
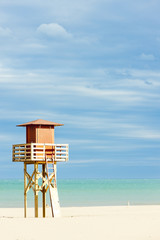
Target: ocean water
pixel 87 192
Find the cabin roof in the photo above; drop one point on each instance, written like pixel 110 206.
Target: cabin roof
pixel 40 122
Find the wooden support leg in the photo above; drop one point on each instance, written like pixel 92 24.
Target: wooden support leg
pixel 25 192
pixel 44 191
pixel 36 189
pixel 55 171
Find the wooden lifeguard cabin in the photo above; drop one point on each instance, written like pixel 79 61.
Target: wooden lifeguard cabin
pixel 41 151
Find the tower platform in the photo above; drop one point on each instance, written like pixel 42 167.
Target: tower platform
pixel 36 152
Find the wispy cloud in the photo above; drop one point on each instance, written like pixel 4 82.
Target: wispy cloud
pixel 105 126
pixel 89 161
pixel 147 57
pixel 10 138
pixel 5 32
pixel 53 30
pixel 149 162
pixel 35 45
pixel 138 132
pixel 5 138
pixel 136 90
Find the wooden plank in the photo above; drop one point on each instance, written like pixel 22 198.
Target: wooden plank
pixel 23 144
pixel 25 193
pixel 20 157
pixel 39 144
pixel 36 190
pixel 30 181
pixel 44 190
pixel 31 151
pixel 55 173
pixel 18 150
pixel 40 160
pixel 50 180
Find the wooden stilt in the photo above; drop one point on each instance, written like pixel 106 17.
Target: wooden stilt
pixel 44 191
pixel 36 189
pixel 55 172
pixel 25 191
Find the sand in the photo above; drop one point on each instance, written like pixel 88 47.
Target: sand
pixel 83 223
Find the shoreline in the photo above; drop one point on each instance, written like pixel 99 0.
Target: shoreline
pixel 83 223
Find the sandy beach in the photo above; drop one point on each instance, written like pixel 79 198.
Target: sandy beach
pixel 77 223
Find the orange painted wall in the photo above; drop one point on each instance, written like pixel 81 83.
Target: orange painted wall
pixel 45 134
pixel 30 134
pixel 39 134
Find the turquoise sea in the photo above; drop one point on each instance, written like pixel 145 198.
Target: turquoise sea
pixel 88 192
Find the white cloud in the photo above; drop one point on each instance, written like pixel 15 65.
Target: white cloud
pixel 119 162
pixel 89 161
pixel 5 32
pixel 35 46
pixel 77 141
pixel 147 57
pixel 136 90
pixel 137 132
pixel 9 138
pixel 106 126
pixel 53 30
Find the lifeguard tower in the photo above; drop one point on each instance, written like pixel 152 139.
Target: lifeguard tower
pixel 41 151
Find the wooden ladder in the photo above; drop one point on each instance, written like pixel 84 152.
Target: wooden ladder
pixel 53 193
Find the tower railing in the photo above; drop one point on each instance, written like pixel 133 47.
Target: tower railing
pixel 31 152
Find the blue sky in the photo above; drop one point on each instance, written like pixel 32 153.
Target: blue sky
pixel 92 65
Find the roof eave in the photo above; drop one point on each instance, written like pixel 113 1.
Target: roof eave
pixel 25 125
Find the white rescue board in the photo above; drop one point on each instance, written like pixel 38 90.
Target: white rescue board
pixel 55 201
